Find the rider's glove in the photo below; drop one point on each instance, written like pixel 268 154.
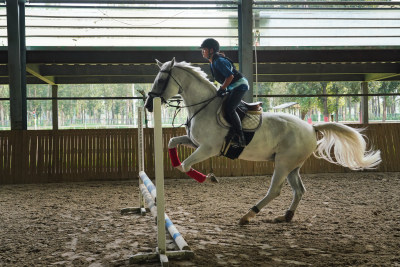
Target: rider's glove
pixel 221 92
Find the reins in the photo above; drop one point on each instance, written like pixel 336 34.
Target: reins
pixel 178 108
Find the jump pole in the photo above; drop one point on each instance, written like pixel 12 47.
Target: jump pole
pixel 151 193
pixel 155 199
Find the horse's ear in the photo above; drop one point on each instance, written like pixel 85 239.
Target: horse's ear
pixel 171 64
pixel 159 63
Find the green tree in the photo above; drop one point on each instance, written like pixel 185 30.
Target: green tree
pixel 387 101
pixel 306 103
pixel 352 102
pixel 4 106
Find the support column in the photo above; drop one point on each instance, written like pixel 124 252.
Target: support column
pixel 54 106
pixel 17 63
pixel 245 15
pixel 364 103
pixel 159 172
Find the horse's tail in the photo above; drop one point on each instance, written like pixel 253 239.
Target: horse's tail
pixel 349 147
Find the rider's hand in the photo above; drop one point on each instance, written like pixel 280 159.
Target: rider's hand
pixel 221 92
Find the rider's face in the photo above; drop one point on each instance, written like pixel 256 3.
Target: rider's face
pixel 205 52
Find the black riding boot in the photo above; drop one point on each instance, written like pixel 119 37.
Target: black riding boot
pixel 237 128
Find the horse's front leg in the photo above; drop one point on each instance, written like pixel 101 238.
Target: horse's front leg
pixel 173 143
pixel 181 140
pixel 193 159
pixel 200 154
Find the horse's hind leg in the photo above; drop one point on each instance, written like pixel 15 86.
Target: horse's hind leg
pixel 298 191
pixel 278 178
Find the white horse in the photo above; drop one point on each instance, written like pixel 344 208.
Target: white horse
pixel 282 138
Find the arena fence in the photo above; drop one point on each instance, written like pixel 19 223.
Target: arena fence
pixel 111 154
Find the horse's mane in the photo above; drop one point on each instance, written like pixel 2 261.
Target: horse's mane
pixel 196 71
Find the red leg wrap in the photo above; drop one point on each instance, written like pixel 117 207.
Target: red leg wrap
pixel 198 176
pixel 173 154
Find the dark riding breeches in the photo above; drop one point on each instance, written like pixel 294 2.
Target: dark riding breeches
pixel 232 103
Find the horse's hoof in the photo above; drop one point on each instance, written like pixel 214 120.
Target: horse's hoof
pixel 246 218
pixel 243 221
pixel 280 219
pixel 211 178
pixel 179 168
pixel 286 218
pixel 289 215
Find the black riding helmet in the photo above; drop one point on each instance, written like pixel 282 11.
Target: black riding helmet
pixel 210 43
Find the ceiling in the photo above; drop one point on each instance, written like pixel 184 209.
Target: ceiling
pixel 91 65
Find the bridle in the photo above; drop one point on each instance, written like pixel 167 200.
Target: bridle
pixel 169 72
pixel 178 107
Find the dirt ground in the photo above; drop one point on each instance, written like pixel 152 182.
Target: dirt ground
pixel 348 219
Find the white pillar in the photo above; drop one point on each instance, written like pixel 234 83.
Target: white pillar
pixel 159 171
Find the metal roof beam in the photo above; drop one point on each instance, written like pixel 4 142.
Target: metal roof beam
pixel 104 69
pixel 326 3
pixel 393 78
pixel 310 78
pixel 322 68
pixel 105 79
pixel 370 77
pixel 135 55
pixel 131 2
pixel 329 56
pixel 34 70
pixel 102 56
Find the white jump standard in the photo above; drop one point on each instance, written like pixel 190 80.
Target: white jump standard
pixel 155 199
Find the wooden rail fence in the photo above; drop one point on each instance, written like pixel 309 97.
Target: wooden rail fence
pixel 110 154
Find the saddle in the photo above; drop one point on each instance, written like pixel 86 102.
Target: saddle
pixel 251 116
pixel 249 113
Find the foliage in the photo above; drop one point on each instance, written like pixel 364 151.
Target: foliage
pixel 341 108
pixel 122 113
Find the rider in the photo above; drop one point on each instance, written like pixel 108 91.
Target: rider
pixel 225 73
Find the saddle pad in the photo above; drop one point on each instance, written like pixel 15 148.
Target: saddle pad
pixel 250 123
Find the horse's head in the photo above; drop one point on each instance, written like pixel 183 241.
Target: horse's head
pixel 163 86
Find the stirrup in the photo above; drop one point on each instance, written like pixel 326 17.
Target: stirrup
pixel 237 138
pixel 241 139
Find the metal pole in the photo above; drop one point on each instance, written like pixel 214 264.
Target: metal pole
pixel 22 47
pixel 245 14
pixel 54 106
pixel 16 64
pixel 364 103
